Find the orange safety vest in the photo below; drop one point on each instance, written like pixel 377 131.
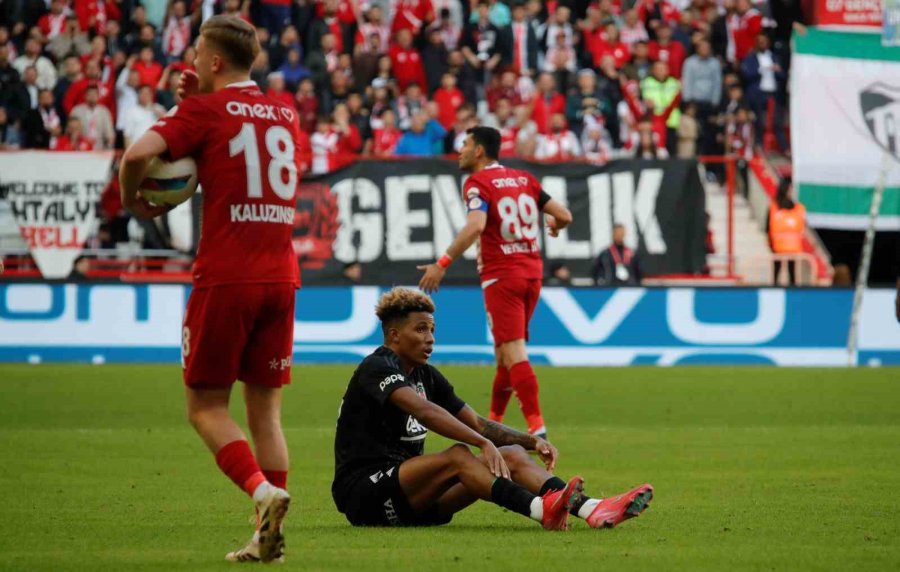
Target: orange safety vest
pixel 786 228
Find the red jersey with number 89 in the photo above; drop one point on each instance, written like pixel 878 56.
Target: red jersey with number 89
pixel 509 245
pixel 247 148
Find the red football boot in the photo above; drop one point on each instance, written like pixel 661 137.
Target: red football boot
pixel 615 510
pixel 557 504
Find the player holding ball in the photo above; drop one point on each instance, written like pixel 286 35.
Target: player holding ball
pixel 504 209
pixel 240 316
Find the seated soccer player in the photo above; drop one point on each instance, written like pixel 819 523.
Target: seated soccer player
pixel 382 477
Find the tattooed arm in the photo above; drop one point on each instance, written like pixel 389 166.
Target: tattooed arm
pixel 501 435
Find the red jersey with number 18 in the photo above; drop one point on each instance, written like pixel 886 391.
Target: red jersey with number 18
pixel 508 247
pixel 247 148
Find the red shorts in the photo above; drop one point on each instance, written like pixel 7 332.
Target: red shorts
pixel 239 331
pixel 510 303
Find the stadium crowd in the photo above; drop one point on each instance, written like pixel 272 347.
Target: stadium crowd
pixel 560 79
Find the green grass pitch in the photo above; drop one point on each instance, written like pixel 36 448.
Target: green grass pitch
pixel 754 468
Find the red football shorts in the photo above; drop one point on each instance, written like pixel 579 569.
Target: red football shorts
pixel 238 332
pixel 510 303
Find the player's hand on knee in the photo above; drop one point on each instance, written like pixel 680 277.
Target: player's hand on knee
pixel 546 452
pixel 494 460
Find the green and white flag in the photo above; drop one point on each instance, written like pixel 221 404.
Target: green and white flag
pixel 845 115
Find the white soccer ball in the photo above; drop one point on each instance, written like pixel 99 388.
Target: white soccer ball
pixel 169 182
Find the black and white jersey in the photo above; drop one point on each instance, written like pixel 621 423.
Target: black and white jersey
pixel 373 431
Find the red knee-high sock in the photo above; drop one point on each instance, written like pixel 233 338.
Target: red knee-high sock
pixel 525 384
pixel 500 394
pixel 237 461
pixel 276 478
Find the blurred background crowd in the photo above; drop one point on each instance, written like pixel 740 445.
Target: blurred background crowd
pixel 561 79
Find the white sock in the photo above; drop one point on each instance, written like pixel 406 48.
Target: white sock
pixel 588 507
pixel 261 491
pixel 537 509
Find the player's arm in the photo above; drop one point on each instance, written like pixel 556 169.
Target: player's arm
pixel 501 435
pixel 439 420
pixel 558 216
pixel 133 169
pixel 434 272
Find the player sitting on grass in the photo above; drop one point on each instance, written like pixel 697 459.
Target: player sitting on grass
pixel 382 477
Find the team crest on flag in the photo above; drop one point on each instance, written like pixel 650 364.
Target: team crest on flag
pixel 880 106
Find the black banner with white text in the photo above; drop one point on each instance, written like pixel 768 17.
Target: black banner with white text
pixel 391 216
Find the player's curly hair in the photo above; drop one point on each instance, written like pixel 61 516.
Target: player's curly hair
pixel 399 303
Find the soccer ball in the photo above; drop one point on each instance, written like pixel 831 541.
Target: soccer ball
pixel 169 182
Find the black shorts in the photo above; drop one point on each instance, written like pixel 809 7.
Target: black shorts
pixel 376 499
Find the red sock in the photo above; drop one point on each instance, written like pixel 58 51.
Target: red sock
pixel 276 478
pixel 237 461
pixel 500 394
pixel 525 384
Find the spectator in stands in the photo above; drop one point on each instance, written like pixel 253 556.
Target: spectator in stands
pixel 412 15
pixel 596 143
pixel 664 92
pixel 633 30
pixel 13 96
pixel 385 138
pixel 350 142
pixel 524 49
pixel 763 76
pixel 655 14
pixel 275 14
pixel 498 14
pixel 261 69
pixel 618 265
pixel 147 67
pixel 422 137
pixel 506 87
pixel 648 144
pixel 502 120
pixel 365 63
pixel 559 21
pixel 787 224
pixel 702 86
pixel 665 49
pixel 73 139
pixel 275 88
pixel 740 142
pixel 744 26
pixel 10 138
pixel 70 42
pixel 167 88
pixel 46 71
pixel 546 102
pixel 380 100
pixel 585 89
pixel 447 27
pixel 465 75
pixel 53 23
pixel 323 61
pixel 139 118
pixel 177 33
pixel 435 56
pixel 560 59
pixel 127 85
pixel 611 45
pixel 406 61
pixel 688 132
pixel 288 39
pixel 370 22
pixel 466 118
pixel 526 131
pixel 683 33
pixel 115 45
pixel 96 119
pixel 448 98
pixel 481 44
pixel 639 65
pixel 408 104
pixel 29 84
pixel 293 71
pixel 42 124
pixel 560 144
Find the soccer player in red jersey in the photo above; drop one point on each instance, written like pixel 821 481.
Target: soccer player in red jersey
pixel 504 210
pixel 240 316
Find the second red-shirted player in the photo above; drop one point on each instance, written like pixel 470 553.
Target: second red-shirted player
pixel 505 207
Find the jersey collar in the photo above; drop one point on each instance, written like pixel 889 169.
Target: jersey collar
pixel 494 165
pixel 248 83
